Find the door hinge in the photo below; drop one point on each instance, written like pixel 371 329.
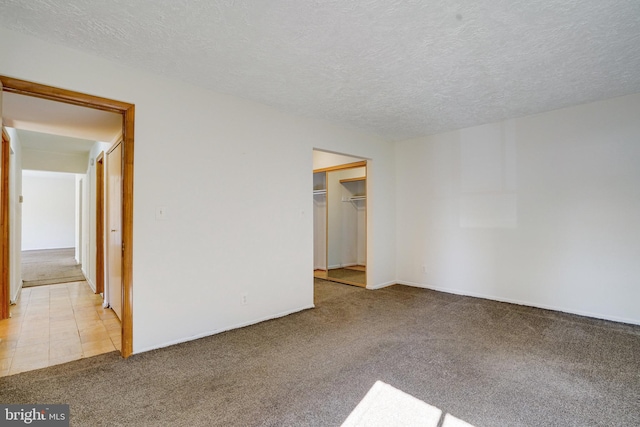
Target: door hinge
pixel 122 246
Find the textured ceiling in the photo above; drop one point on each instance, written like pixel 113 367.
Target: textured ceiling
pixel 397 68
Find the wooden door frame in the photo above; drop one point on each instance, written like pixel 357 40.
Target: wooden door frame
pixel 100 223
pixel 127 111
pixel 5 245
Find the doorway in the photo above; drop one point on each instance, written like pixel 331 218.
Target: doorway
pixel 127 112
pixel 340 218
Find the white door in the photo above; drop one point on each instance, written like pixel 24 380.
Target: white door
pixel 114 228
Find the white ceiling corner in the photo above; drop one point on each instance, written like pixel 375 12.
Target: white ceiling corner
pixel 396 68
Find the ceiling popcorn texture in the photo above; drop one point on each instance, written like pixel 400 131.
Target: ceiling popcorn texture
pixel 396 68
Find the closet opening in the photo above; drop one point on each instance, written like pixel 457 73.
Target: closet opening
pixel 340 218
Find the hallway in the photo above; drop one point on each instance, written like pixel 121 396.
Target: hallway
pixel 55 324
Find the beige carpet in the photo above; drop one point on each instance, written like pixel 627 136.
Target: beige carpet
pixel 483 362
pixel 49 267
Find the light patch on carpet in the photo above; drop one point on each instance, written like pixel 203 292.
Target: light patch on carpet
pixel 451 421
pixel 386 406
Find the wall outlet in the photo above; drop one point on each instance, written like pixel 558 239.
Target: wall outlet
pixel 243 298
pixel 424 269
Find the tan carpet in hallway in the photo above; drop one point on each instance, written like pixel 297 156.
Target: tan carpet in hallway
pixel 50 266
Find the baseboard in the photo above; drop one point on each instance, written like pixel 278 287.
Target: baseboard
pixel 381 285
pixel 16 295
pixel 91 284
pixel 219 331
pixel 520 302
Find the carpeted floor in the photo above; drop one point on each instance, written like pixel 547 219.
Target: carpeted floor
pixel 49 267
pixel 484 362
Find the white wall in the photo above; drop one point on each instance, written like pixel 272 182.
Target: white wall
pixel 15 215
pixel 542 210
pixel 325 159
pixel 48 210
pixel 235 178
pixel 54 162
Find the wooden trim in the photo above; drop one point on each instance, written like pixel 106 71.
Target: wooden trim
pixel 326 222
pixel 5 284
pixel 23 87
pixel 360 178
pixel 339 167
pixel 127 231
pixel 100 223
pixel 366 225
pixel 346 282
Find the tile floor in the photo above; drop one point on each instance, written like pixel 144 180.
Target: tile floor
pixel 55 324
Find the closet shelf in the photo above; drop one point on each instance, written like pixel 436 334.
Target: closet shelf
pixel 360 178
pixel 355 198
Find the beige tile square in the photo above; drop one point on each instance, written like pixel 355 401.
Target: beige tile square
pixel 35 331
pixel 117 342
pixel 6 345
pixel 33 319
pixel 97 347
pixel 63 335
pixel 63 323
pixel 8 329
pixel 27 341
pixel 86 316
pixel 5 364
pixel 112 323
pixel 33 322
pixel 65 359
pixel 30 365
pixel 38 306
pixel 84 325
pixel 94 335
pixel 63 329
pixel 34 351
pixel 62 315
pixel 65 349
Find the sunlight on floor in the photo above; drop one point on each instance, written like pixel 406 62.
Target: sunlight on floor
pixel 386 406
